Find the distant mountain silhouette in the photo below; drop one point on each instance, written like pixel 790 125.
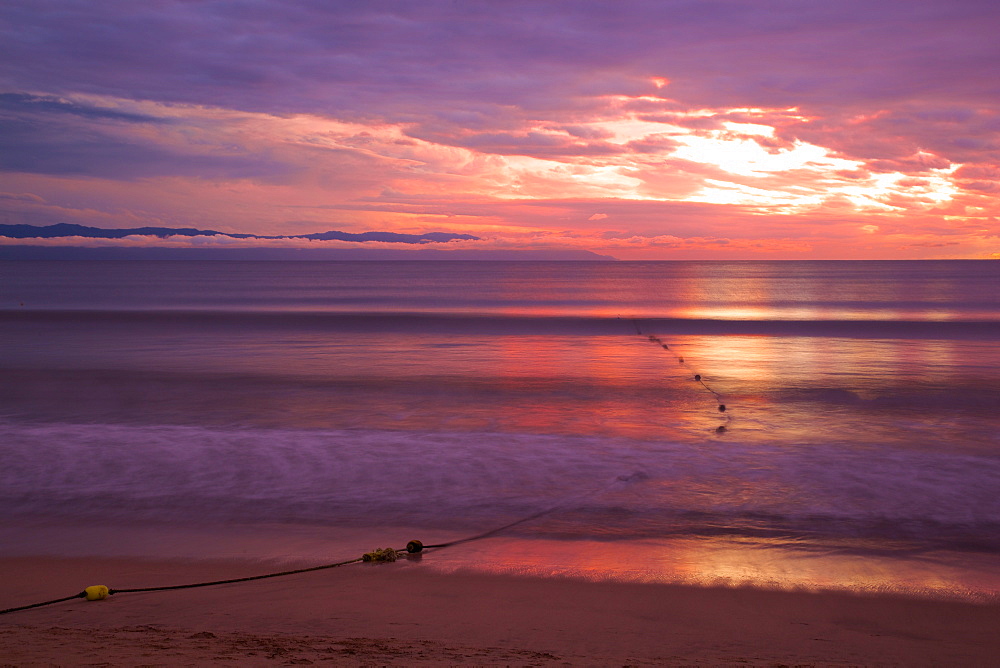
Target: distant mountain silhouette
pixel 71 230
pixel 28 252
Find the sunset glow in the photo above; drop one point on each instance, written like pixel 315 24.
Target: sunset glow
pixel 671 132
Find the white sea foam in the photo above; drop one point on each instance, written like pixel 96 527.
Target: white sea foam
pixel 616 489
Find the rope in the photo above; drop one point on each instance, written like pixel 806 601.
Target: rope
pixel 231 581
pixel 634 477
pixel 385 554
pixel 82 594
pixel 493 532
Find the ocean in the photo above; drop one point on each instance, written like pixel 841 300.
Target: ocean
pixel 795 425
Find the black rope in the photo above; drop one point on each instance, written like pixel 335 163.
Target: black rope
pixel 493 532
pixel 232 580
pixel 413 547
pixel 82 594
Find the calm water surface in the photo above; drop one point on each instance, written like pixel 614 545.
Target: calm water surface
pixel 308 407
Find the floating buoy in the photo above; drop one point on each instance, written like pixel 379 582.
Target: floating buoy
pixel 414 546
pixel 697 377
pixel 96 592
pixel 721 428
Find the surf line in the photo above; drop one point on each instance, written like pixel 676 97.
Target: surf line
pixel 413 549
pixel 652 338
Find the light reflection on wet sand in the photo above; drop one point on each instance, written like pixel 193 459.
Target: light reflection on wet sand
pixel 704 561
pixel 733 563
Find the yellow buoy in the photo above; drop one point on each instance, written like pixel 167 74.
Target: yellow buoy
pixel 96 592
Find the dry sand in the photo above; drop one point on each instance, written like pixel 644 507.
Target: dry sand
pixel 406 614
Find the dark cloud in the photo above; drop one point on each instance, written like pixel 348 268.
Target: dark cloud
pixel 894 135
pixel 392 58
pixel 652 144
pixel 22 197
pixel 49 135
pixel 534 144
pixel 23 103
pixel 990 172
pixel 493 67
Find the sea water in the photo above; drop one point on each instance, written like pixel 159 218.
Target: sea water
pixel 789 424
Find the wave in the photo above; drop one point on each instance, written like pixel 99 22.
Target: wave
pixel 592 488
pixel 492 324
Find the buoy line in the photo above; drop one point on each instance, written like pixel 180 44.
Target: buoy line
pixel 652 338
pixel 101 592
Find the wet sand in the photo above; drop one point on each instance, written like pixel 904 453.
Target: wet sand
pixel 404 613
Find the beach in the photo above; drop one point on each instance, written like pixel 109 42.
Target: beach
pixel 754 463
pixel 668 330
pixel 404 613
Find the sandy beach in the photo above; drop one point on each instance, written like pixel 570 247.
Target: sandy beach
pixel 404 613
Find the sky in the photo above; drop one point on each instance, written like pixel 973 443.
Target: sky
pixel 660 129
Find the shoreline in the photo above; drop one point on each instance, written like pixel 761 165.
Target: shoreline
pixel 405 613
pixel 716 562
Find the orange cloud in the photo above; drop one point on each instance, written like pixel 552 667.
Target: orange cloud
pixel 715 182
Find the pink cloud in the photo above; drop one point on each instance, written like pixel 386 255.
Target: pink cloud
pixel 778 127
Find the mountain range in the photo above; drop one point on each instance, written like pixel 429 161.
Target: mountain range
pixel 39 252
pixel 71 230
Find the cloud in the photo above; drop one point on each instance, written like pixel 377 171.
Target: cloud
pixel 352 58
pixel 798 122
pixel 538 143
pixel 22 197
pixel 23 104
pixel 90 137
